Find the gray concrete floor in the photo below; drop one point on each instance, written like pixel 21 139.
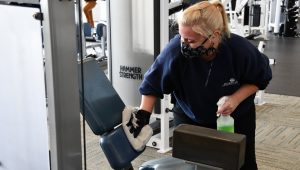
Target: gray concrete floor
pixel 286 71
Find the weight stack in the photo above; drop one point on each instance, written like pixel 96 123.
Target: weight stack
pixel 290 25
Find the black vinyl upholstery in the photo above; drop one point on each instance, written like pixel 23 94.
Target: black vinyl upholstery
pixel 101 104
pixel 103 107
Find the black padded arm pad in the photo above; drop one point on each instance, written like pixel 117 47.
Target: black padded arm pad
pixel 209 146
pixel 99 101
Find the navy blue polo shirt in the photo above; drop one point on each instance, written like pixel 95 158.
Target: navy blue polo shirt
pixel 197 85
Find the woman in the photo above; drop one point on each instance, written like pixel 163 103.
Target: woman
pixel 201 65
pixel 87 9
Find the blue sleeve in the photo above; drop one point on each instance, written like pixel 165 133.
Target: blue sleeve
pixel 259 72
pixel 158 79
pixel 253 65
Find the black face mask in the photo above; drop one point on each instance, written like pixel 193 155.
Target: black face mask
pixel 200 51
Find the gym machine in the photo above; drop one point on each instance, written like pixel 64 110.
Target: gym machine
pixel 39 120
pixel 276 16
pixel 284 17
pixel 95 44
pixel 193 147
pixel 113 137
pixel 103 111
pixel 292 15
pixel 247 17
pixel 23 112
pixel 63 117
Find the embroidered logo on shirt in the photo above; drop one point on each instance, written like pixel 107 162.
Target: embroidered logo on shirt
pixel 232 81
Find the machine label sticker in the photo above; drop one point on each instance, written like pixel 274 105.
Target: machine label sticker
pixel 128 72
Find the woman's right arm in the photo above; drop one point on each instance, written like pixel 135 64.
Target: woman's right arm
pixel 148 102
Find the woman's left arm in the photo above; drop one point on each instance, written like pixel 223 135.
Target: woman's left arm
pixel 236 98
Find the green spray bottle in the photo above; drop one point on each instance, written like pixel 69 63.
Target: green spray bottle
pixel 225 123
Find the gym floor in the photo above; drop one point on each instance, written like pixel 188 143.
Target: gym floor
pixel 286 71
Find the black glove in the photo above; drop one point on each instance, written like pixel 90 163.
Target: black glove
pixel 137 121
pixel 135 125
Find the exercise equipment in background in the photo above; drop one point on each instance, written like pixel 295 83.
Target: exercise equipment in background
pixel 96 45
pixel 292 14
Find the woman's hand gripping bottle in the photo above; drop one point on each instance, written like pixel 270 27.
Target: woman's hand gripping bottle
pixel 225 123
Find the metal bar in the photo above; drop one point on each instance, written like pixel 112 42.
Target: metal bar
pixel 59 30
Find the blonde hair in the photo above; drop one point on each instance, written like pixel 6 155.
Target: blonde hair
pixel 205 17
